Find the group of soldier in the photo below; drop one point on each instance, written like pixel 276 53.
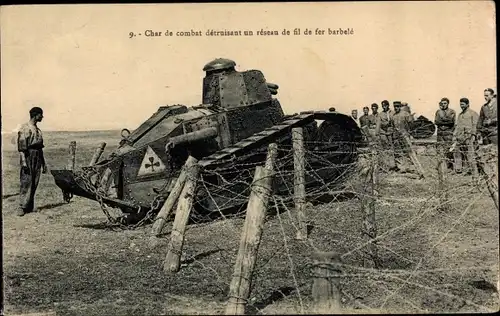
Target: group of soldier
pixel 458 136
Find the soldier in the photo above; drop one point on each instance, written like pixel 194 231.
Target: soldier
pixel 386 107
pixel 487 122
pixel 354 115
pixel 445 122
pixel 372 122
pixel 374 109
pixel 488 154
pixel 30 146
pixel 364 122
pixel 401 136
pixel 383 131
pixel 405 107
pixel 464 137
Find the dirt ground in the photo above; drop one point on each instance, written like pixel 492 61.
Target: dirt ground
pixel 64 260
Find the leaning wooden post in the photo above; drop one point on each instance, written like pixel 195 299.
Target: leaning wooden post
pixel 72 155
pixel 299 181
pixel 184 205
pixel 161 218
pixel 239 290
pixel 413 156
pixel 97 154
pixel 326 283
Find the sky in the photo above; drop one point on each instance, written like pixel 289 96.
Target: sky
pixel 78 63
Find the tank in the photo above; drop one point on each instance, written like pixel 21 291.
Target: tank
pixel 421 127
pixel 228 133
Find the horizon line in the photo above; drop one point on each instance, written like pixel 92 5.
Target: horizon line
pixel 70 131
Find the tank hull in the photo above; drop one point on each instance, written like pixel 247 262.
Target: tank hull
pixel 227 174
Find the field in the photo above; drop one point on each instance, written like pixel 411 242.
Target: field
pixel 64 260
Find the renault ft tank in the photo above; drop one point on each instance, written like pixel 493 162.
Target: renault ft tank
pixel 421 127
pixel 228 134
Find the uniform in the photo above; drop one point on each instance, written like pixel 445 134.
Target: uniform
pixel 384 129
pixel 487 126
pixel 464 137
pixel 30 142
pixel 487 123
pixel 445 122
pixel 368 124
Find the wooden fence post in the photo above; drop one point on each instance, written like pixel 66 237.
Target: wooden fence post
pixel 326 283
pixel 184 205
pixel 370 193
pixel 239 289
pixel 272 154
pixel 97 154
pixel 72 155
pixel 161 218
pixel 443 194
pixel 299 181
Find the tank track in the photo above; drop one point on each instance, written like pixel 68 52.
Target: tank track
pixel 255 141
pixel 266 136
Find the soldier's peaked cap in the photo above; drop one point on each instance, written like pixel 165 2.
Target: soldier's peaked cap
pixel 396 102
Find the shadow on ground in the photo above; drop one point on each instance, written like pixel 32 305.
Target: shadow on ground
pixel 51 206
pixel 275 296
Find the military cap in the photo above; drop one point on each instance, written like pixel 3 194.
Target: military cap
pixel 396 103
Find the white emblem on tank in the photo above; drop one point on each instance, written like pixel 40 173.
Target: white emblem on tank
pixel 151 163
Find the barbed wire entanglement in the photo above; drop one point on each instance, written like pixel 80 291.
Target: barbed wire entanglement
pixel 400 238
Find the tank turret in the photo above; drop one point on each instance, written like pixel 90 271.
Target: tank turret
pixel 224 87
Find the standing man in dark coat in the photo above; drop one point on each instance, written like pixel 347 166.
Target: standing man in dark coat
pixel 30 147
pixel 445 122
pixel 487 123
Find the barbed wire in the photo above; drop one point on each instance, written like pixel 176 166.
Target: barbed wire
pixel 404 214
pixel 422 207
